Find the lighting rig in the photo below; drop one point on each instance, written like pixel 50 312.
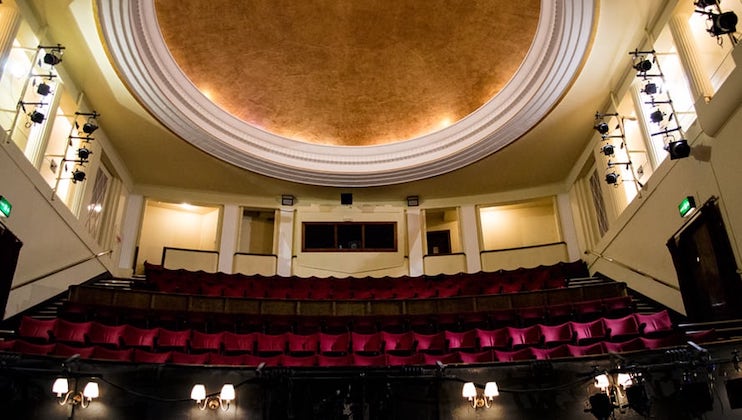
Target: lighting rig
pixel 718 23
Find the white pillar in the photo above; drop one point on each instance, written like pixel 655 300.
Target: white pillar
pixel 699 83
pixel 10 19
pixel 228 243
pixel 285 241
pixel 130 233
pixel 567 224
pixel 470 238
pixel 415 242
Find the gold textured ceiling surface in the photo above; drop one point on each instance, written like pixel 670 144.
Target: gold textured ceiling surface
pixel 345 72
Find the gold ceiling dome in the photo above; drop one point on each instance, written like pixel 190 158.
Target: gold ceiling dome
pixel 342 93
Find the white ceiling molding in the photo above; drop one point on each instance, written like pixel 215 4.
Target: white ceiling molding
pixel 139 53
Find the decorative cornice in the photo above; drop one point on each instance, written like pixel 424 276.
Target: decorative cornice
pixel 139 53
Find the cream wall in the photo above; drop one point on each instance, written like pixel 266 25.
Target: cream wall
pixel 448 219
pixel 517 225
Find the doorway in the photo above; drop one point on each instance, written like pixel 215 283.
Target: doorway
pixel 706 268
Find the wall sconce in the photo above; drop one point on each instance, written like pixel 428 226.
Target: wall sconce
pixel 226 396
pixel 287 200
pixel 66 396
pixel 478 401
pixel 413 201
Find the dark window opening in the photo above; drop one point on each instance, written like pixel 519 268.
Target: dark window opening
pixel 349 236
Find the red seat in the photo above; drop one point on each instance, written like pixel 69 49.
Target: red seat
pixel 589 332
pixel 39 330
pixel 173 340
pixel 479 357
pixel 554 335
pixel 270 344
pixel 524 337
pixel 461 341
pixel 586 350
pixel 661 342
pixel 513 356
pixel 656 324
pixel 703 336
pixel 532 314
pixel 560 312
pixel 105 335
pixel 367 344
pixel 445 358
pixel 142 356
pixel 398 343
pixel 334 344
pixel 327 360
pixel 623 346
pixel 298 361
pixel 100 352
pixel 369 360
pixel 206 342
pixel 7 345
pixel 551 353
pixel 588 310
pixel 24 347
pixel 181 358
pixel 493 339
pixel 71 332
pixel 618 305
pixel 226 359
pixel 297 344
pixel 64 350
pixel 400 360
pixel 430 343
pixel 139 337
pixel 254 360
pixel 238 343
pixel 621 329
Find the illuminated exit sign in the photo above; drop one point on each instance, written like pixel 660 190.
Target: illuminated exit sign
pixel 687 206
pixel 5 207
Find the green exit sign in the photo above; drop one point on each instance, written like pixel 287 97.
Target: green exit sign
pixel 687 206
pixel 5 207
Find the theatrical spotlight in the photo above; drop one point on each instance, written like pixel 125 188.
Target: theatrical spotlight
pixel 722 24
pixel 36 117
pixel 84 153
pixel 678 149
pixel 643 66
pixel 657 116
pixel 43 89
pixel 611 178
pixel 650 88
pixel 704 3
pixel 607 150
pixel 54 54
pixel 78 176
pixel 600 406
pixel 602 127
pixel 89 127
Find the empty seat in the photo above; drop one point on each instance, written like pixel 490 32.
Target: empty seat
pixel 513 356
pixel 24 347
pixel 139 337
pixel 255 360
pixel 621 329
pixel 430 343
pixel 334 344
pixel 589 332
pixel 532 314
pixel 298 361
pixel 461 341
pixel 206 342
pixel 100 352
pixel 588 310
pixel 618 305
pixel 703 336
pixel 367 344
pixel 173 340
pixel 398 343
pixel 554 335
pixel 524 337
pixel 105 335
pixel 143 356
pixel 181 358
pixel 656 324
pixel 623 346
pixel 408 360
pixel 486 356
pixel 445 358
pixel 299 344
pixel 71 332
pixel 328 360
pixel 369 360
pixel 270 344
pixel 37 330
pixel 661 342
pixel 226 359
pixel 551 353
pixel 493 339
pixel 586 350
pixel 64 350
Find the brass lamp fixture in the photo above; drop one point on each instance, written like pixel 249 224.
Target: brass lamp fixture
pixel 226 396
pixel 65 395
pixel 480 400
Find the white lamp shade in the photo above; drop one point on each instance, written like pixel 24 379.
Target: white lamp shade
pixel 227 393
pixel 469 390
pixel 91 390
pixel 601 381
pixel 624 379
pixel 198 392
pixel 491 390
pixel 61 386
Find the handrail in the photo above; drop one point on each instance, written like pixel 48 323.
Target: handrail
pixel 58 270
pixel 630 268
pixel 484 251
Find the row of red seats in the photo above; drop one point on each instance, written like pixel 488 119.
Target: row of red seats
pixel 504 338
pixel 354 359
pixel 277 287
pixel 212 322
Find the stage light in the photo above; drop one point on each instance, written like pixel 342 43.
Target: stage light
pixel 83 153
pixel 657 116
pixel 650 88
pixel 643 66
pixel 78 176
pixel 611 178
pixel 678 149
pixel 722 24
pixel 89 127
pixel 602 127
pixel 43 89
pixel 607 150
pixel 36 117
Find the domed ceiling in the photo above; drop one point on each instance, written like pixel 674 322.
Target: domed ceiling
pixel 342 93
